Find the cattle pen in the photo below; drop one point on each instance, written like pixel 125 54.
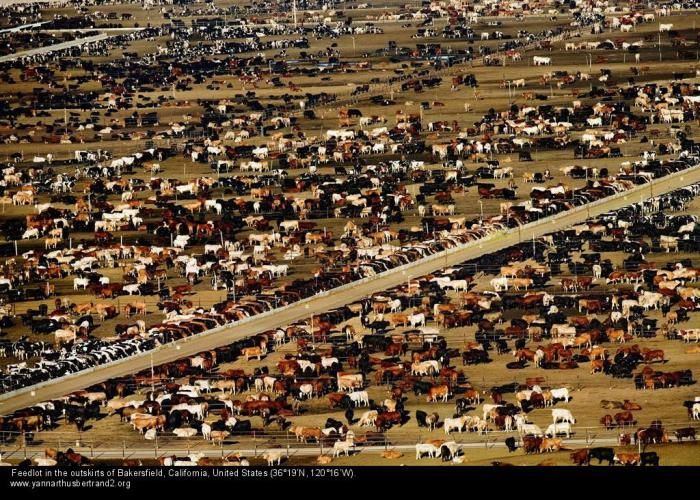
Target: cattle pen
pixel 341 295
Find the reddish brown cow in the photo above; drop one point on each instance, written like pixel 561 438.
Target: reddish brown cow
pixel 651 355
pixel 581 457
pixel 624 418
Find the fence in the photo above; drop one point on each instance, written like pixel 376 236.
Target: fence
pixel 15 446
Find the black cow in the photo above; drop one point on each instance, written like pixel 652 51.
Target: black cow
pixel 474 357
pixel 686 432
pixel 445 453
pixel 603 454
pixel 333 423
pixel 349 415
pixel 511 445
pixel 462 406
pixel 242 427
pixel 420 418
pixel 501 346
pixel 421 388
pixel 649 458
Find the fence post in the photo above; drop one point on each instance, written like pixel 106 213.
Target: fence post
pixel 156 446
pixel 123 448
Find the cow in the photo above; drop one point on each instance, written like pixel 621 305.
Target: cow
pixel 252 352
pixel 271 457
pixel 627 458
pixel 581 457
pixel 449 451
pixel 458 424
pixel 602 454
pixel 441 392
pixel 430 449
pixel 349 381
pixel 624 418
pixel 685 432
pixel 532 444
pixel 649 458
pixel 562 393
pixel 359 398
pixel 562 415
pixel 561 428
pixel 550 445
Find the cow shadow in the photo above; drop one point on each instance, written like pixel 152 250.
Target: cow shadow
pixel 517 365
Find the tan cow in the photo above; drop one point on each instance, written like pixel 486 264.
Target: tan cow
pixel 252 352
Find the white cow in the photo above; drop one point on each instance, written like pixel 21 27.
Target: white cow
pixel 499 284
pixel 344 446
pixel 132 289
pixel 359 398
pixel 533 429
pixel 30 233
pixel 696 411
pixel 80 283
pixel 562 393
pixel 417 320
pixel 560 428
pixel 185 432
pixel 272 456
pixel 206 431
pixel 559 414
pixel 457 424
pixel 430 449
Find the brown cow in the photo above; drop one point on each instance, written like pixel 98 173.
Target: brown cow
pixel 607 422
pixel 144 423
pixel 598 352
pixel 581 457
pixel 616 335
pixel 34 422
pixel 627 458
pixel 597 365
pixel 532 444
pixel 582 340
pixel 628 405
pixel 387 419
pixel 441 392
pixel 250 352
pixel 651 355
pixel 396 319
pixel 550 444
pixel 395 349
pixel 288 367
pixel 624 418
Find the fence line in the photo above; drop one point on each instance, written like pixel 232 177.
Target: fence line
pixel 257 442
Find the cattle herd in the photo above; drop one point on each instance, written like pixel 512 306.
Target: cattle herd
pixel 177 168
